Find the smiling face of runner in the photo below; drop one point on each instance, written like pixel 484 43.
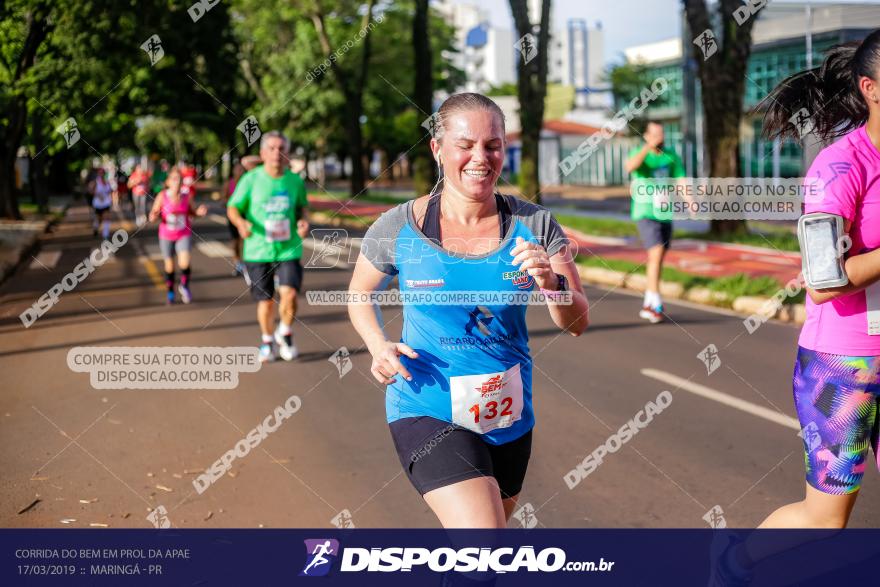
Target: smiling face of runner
pixel 470 147
pixel 172 182
pixel 273 152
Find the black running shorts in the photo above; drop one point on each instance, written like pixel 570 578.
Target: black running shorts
pixel 435 453
pixel 262 276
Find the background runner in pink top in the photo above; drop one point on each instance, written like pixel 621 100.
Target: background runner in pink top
pixel 850 172
pixel 175 222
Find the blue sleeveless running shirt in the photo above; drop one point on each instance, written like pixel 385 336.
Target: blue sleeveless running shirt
pixel 474 368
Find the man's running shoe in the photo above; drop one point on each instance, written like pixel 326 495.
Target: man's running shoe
pixel 286 348
pixel 721 573
pixel 185 296
pixel 267 355
pixel 652 315
pixel 169 299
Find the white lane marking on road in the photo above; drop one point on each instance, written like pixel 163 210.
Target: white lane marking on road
pixel 215 249
pixel 723 398
pixel 217 218
pixel 45 260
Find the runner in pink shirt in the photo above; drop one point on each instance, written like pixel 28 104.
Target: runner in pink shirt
pixel 174 207
pixel 837 370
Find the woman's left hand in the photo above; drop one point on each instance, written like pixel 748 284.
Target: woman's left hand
pixel 533 259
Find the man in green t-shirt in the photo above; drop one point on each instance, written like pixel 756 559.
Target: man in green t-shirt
pixel 268 207
pixel 653 161
pixel 159 177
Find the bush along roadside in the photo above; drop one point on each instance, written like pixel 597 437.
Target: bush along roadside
pixel 742 293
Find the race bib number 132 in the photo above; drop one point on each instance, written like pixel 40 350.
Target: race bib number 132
pixel 487 401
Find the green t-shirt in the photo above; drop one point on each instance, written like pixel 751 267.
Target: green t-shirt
pixel 271 205
pixel 659 166
pixel 159 178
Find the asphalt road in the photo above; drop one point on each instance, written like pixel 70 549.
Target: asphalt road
pixel 95 457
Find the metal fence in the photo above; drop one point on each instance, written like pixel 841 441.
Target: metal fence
pixel 758 158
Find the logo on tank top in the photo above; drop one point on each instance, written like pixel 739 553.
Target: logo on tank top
pixel 423 283
pixel 521 279
pixel 478 333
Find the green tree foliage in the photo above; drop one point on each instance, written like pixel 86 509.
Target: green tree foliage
pixel 82 59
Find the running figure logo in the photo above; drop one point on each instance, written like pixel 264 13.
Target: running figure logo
pixel 70 131
pixel 343 520
pixel 811 436
pixel 430 123
pixel 709 356
pixel 707 44
pixel 328 249
pixel 159 518
pixel 320 554
pixel 153 48
pixel 341 361
pixel 526 516
pixel 250 128
pixel 715 518
pixel 527 46
pixel 802 122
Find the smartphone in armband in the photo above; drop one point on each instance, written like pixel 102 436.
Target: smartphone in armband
pixel 822 258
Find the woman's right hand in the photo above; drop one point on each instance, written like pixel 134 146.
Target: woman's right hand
pixel 386 361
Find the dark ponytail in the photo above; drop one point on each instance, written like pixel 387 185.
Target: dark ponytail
pixel 829 93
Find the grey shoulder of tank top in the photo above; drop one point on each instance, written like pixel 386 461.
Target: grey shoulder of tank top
pixel 378 244
pixel 540 221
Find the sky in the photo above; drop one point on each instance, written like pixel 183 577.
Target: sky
pixel 626 22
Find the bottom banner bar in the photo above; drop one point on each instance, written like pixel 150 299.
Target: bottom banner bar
pixel 437 557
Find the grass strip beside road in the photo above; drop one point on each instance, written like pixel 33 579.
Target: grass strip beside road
pixel 733 286
pixel 769 237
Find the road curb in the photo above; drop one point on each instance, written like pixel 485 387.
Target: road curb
pixel 24 237
pixel 25 244
pixel 747 306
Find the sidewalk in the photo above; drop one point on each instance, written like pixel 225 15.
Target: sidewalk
pixel 18 237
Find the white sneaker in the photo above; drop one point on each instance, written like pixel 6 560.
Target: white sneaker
pixel 652 315
pixel 185 295
pixel 267 355
pixel 286 349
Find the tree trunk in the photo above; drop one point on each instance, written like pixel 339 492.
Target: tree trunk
pixel 722 76
pixel 531 90
pixel 16 113
pixel 352 87
pixel 37 166
pixel 342 156
pixel 423 93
